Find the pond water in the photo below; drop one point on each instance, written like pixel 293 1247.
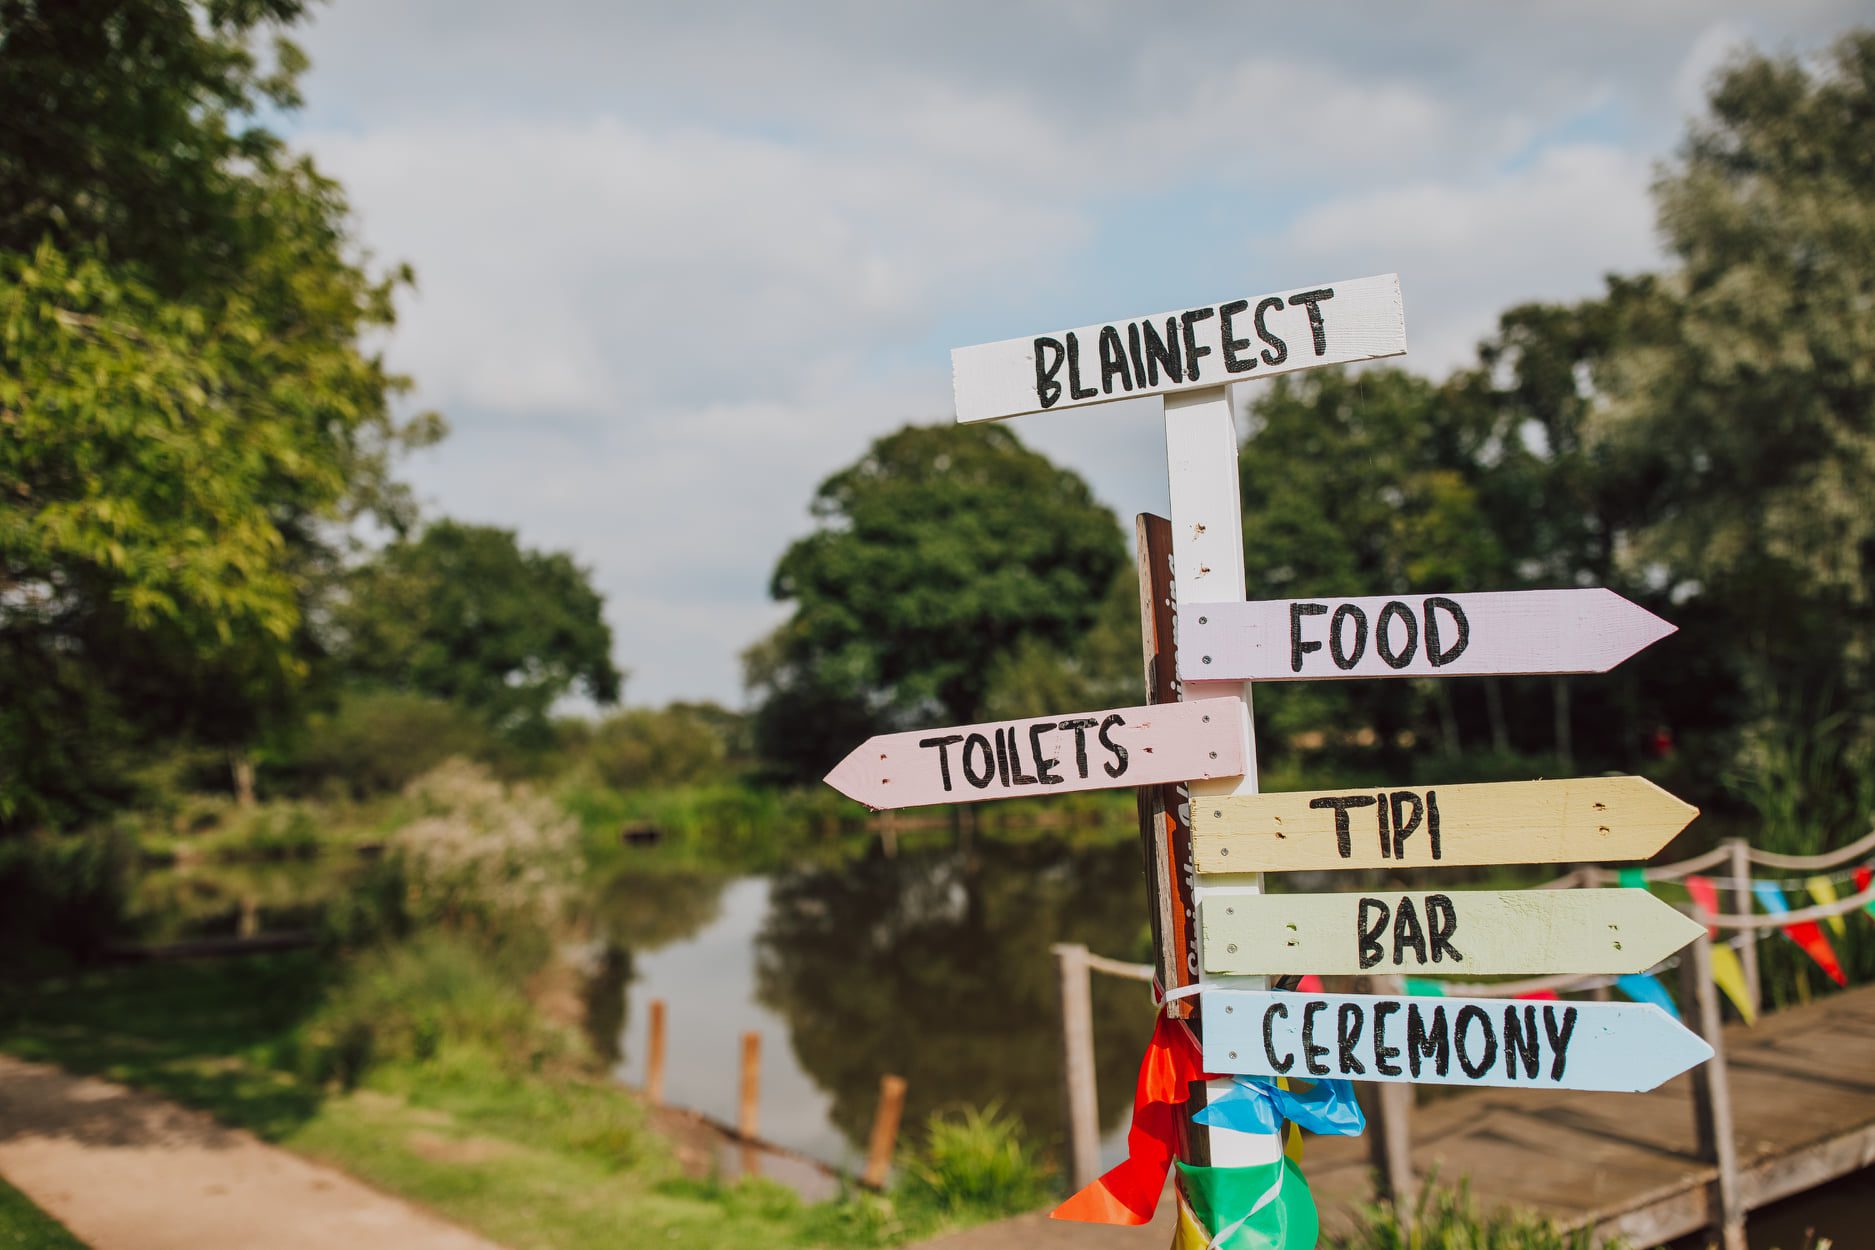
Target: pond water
pixel 932 965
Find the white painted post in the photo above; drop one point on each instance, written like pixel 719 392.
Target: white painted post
pixel 1207 567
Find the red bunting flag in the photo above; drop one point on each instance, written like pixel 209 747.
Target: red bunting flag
pixel 1706 895
pixel 1807 934
pixel 1540 996
pixel 1129 1192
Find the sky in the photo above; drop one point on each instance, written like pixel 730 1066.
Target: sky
pixel 678 263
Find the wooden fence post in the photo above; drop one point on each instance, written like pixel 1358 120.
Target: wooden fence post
pixel 1389 1139
pixel 1742 905
pixel 1712 1097
pixel 884 1131
pixel 654 1054
pixel 749 1113
pixel 1077 1063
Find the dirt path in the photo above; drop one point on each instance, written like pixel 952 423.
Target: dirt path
pixel 128 1171
pixel 1036 1231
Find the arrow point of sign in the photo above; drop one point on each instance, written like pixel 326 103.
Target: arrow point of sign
pixel 1671 1049
pixel 854 779
pixel 1629 630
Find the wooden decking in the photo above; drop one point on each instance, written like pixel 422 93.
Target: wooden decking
pixel 1803 1095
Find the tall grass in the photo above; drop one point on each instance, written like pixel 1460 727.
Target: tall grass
pixel 974 1164
pixel 1444 1218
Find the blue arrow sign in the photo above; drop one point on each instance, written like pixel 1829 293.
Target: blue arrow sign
pixel 1446 1041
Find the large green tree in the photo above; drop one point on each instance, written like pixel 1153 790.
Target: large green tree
pixel 190 412
pixel 936 557
pixel 465 613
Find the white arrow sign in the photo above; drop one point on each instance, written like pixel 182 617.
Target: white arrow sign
pixel 1210 345
pixel 1471 933
pixel 1446 1041
pixel 1134 746
pixel 1466 635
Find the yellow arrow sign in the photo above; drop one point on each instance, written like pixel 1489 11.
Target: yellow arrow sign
pixel 1463 933
pixel 1587 819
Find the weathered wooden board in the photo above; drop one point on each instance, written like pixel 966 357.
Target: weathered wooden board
pixel 1469 933
pixel 1446 1041
pixel 1463 635
pixel 1165 811
pixel 1582 820
pixel 1103 750
pixel 1209 345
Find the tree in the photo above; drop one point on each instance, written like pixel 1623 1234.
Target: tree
pixel 189 415
pixel 938 554
pixel 463 613
pixel 1739 401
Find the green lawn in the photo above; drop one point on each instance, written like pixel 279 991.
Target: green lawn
pixel 24 1226
pixel 536 1161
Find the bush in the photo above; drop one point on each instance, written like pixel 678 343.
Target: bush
pixel 437 998
pixel 975 1163
pixel 66 897
pixel 674 746
pixel 379 741
pixel 1448 1219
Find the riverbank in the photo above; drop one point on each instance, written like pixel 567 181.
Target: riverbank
pixel 545 1160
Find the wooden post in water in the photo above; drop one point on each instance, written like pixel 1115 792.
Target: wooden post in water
pixel 1077 1063
pixel 884 1131
pixel 1712 1098
pixel 654 1054
pixel 748 1113
pixel 1742 905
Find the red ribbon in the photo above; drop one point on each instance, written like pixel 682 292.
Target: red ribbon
pixel 1129 1192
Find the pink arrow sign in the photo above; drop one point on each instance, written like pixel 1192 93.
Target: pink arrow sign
pixel 1132 746
pixel 1500 632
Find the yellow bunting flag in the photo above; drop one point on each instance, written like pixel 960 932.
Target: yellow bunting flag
pixel 1823 890
pixel 1729 975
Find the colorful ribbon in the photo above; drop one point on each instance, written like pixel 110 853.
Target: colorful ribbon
pixel 1129 1192
pixel 1807 934
pixel 1268 1207
pixel 1645 989
pixel 1257 1104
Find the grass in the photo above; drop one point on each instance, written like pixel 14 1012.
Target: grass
pixel 537 1160
pixel 24 1226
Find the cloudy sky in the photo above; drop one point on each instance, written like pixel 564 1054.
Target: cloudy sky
pixel 679 262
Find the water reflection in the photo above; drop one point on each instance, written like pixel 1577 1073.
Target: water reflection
pixel 933 965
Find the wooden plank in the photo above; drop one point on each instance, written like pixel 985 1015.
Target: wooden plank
pixel 1207 557
pixel 1469 933
pixel 1207 346
pixel 1446 1041
pixel 1500 633
pixel 1101 750
pixel 1584 820
pixel 1165 811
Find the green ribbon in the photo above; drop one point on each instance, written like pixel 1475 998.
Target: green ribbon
pixel 1223 1198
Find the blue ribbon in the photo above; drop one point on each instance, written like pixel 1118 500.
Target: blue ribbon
pixel 1254 1104
pixel 1644 989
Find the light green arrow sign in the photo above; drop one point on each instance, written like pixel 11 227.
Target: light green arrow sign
pixel 1459 933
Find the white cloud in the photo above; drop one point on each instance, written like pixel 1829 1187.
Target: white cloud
pixel 1464 253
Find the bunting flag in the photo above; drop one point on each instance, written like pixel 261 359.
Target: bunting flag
pixel 1643 988
pixel 1823 890
pixel 1540 996
pixel 1806 934
pixel 1634 878
pixel 1863 876
pixel 1310 984
pixel 1729 975
pixel 1129 1192
pixel 1267 1207
pixel 1706 895
pixel 1424 988
pixel 1258 1104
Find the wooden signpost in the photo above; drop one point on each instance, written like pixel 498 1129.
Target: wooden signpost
pixel 1588 819
pixel 1460 635
pixel 1446 1041
pixel 1470 933
pixel 1134 746
pixel 1191 755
